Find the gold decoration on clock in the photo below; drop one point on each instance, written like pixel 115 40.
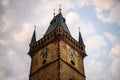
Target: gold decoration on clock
pixel 44 53
pixel 71 54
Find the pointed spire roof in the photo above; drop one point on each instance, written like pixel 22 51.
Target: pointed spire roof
pixel 33 40
pixel 58 20
pixel 80 38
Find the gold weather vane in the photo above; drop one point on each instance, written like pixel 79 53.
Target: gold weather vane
pixel 54 13
pixel 59 8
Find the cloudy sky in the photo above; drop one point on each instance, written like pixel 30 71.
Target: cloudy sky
pixel 99 22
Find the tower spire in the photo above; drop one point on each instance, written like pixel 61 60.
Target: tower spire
pixel 33 40
pixel 59 8
pixel 58 20
pixel 80 38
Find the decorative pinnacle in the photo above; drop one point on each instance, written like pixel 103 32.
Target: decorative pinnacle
pixel 79 29
pixel 54 13
pixel 59 8
pixel 34 27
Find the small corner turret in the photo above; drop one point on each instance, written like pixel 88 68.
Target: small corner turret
pixel 81 43
pixel 33 40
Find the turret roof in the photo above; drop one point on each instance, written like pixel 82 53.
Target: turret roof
pixel 58 20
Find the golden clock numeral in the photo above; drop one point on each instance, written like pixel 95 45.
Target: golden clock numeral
pixel 71 54
pixel 44 53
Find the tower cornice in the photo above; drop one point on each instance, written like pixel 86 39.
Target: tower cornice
pixel 57 34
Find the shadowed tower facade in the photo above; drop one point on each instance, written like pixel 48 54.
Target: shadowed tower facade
pixel 57 56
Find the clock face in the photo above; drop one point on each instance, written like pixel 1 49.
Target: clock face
pixel 71 54
pixel 44 53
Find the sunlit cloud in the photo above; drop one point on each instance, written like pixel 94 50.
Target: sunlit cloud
pixel 108 13
pixel 115 65
pixel 24 34
pixel 98 42
pixel 3 42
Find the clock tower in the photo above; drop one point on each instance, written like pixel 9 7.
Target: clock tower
pixel 57 56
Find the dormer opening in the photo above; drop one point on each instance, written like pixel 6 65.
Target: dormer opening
pixel 53 21
pixel 63 19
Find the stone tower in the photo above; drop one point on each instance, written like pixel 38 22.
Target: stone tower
pixel 57 56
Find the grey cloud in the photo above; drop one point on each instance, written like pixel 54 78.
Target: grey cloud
pixel 15 14
pixel 12 67
pixel 2 11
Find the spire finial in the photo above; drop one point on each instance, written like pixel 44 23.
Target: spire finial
pixel 79 29
pixel 34 27
pixel 80 40
pixel 33 40
pixel 59 8
pixel 54 13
